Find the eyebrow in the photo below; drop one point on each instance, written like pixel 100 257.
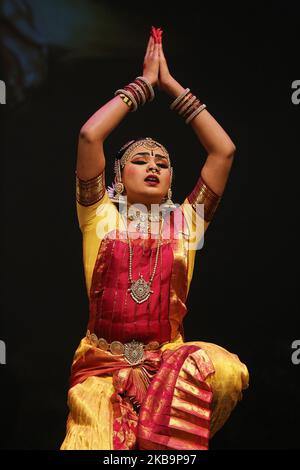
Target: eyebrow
pixel 157 155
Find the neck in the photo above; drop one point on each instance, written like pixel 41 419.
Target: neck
pixel 143 208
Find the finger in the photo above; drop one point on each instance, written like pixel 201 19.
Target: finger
pixel 156 51
pixel 159 33
pixel 162 59
pixel 160 36
pixel 151 45
pixel 148 45
pixel 161 51
pixel 155 34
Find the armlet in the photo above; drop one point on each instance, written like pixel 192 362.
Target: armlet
pixel 90 191
pixel 202 194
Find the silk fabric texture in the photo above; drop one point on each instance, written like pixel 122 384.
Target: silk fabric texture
pixel 178 397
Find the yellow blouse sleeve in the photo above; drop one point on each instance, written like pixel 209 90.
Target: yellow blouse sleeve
pixel 89 195
pixel 97 215
pixel 200 206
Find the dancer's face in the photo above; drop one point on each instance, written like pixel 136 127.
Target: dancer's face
pixel 144 163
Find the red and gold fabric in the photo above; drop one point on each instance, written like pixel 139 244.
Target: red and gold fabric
pixel 182 392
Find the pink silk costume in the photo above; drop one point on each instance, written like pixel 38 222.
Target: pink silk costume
pixel 182 392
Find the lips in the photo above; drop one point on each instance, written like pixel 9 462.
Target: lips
pixel 152 178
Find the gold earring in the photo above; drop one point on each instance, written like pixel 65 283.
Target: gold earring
pixel 168 203
pixel 118 186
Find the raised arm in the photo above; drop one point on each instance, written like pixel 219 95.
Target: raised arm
pixel 90 156
pixel 220 148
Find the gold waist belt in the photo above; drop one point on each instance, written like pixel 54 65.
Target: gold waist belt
pixel 132 351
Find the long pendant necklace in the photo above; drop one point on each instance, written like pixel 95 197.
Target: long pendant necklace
pixel 140 289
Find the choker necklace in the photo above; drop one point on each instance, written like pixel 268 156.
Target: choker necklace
pixel 140 289
pixel 142 220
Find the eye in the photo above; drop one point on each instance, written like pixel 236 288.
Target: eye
pixel 162 165
pixel 139 161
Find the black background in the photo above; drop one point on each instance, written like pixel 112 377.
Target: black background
pixel 240 61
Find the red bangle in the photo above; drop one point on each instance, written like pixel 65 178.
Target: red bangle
pixel 143 86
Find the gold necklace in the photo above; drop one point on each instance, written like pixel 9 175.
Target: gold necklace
pixel 142 224
pixel 140 289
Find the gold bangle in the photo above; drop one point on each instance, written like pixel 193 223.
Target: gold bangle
pixel 126 100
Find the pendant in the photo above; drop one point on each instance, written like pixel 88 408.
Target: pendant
pixel 140 290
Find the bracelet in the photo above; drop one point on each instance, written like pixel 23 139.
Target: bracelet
pixel 191 108
pixel 143 87
pixel 126 100
pixel 136 93
pixel 187 105
pixel 179 98
pixel 195 113
pixel 140 92
pixel 149 86
pixel 129 96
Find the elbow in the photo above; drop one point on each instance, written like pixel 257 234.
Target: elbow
pixel 229 152
pixel 225 151
pixel 86 135
pixel 232 151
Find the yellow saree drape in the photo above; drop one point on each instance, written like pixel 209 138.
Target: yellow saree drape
pixel 90 422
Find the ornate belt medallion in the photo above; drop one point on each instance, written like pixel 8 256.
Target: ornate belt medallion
pixel 134 352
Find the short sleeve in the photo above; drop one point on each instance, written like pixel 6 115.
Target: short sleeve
pixel 198 209
pixel 89 195
pixel 204 201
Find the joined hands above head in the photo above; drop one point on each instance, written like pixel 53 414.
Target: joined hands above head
pixel 155 66
pixel 217 143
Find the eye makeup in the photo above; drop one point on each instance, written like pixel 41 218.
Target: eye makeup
pixel 137 162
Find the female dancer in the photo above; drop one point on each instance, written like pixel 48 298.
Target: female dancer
pixel 135 383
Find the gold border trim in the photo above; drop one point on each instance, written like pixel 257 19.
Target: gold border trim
pixel 202 194
pixel 90 191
